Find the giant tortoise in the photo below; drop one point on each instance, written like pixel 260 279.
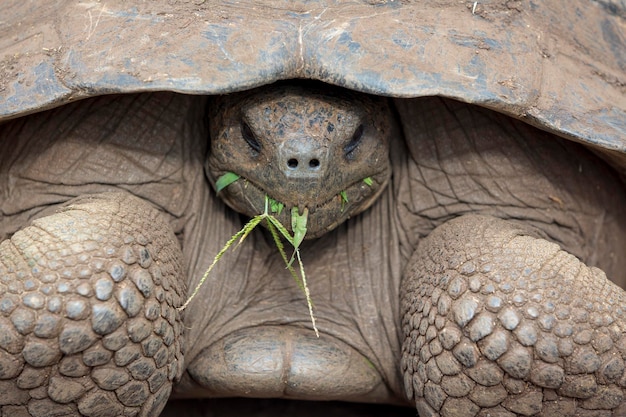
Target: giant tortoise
pixel 462 165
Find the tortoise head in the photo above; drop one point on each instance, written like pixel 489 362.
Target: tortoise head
pixel 318 148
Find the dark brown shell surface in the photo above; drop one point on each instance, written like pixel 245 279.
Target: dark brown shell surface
pixel 557 64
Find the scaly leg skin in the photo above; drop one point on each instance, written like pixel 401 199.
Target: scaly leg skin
pixel 88 316
pixel 500 323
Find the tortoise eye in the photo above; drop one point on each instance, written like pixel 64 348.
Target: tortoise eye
pixel 249 137
pixel 355 140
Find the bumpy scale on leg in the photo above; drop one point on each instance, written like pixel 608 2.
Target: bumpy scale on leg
pixel 500 323
pixel 88 315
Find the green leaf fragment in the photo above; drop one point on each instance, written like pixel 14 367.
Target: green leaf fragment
pixel 298 225
pixel 368 181
pixel 275 206
pixel 225 180
pixel 369 363
pixel 344 199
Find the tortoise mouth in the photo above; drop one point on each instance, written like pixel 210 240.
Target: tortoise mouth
pixel 249 198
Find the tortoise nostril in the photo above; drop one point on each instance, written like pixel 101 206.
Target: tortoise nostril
pixel 293 164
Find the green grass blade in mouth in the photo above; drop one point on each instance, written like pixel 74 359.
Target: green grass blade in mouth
pixel 272 222
pixel 241 235
pixel 307 295
pixel 271 226
pixel 225 180
pixel 250 226
pixel 282 229
pixel 276 228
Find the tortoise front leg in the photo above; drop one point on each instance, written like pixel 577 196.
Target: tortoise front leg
pixel 88 318
pixel 499 322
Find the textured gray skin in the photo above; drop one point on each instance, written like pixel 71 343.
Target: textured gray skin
pixel 491 316
pixel 91 329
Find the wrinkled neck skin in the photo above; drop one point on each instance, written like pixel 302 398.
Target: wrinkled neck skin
pixel 353 274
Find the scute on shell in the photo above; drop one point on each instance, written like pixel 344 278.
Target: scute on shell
pixel 559 65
